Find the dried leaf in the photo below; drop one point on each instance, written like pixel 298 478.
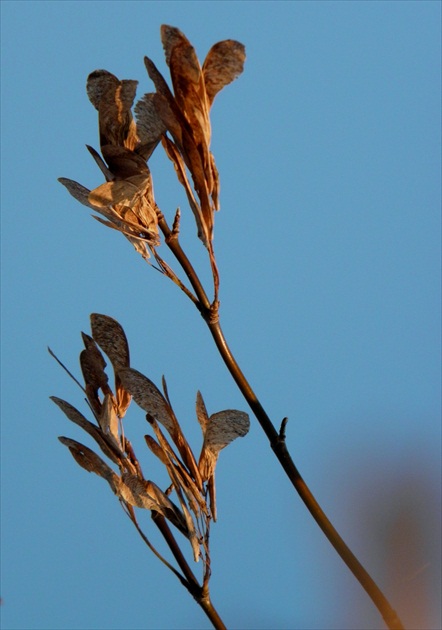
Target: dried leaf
pixel 156 449
pixel 207 463
pixel 170 117
pixel 211 487
pixel 147 396
pixel 131 201
pixel 164 384
pixel 179 489
pixel 188 83
pixel 178 474
pixel 171 37
pixel 216 185
pixel 180 169
pixel 183 134
pixel 132 458
pixel 223 64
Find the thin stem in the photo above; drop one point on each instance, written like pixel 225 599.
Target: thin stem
pixel 200 594
pixel 131 514
pixel 175 247
pixel 160 522
pixel 277 441
pixel 279 447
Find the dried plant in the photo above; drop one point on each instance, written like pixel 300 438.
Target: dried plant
pixel 179 119
pixel 192 480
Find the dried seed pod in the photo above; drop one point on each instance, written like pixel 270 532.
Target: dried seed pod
pixel 78 192
pixel 113 99
pixel 108 418
pixel 147 396
pixel 223 427
pixel 111 338
pixel 91 462
pixel 92 365
pixel 110 448
pixel 101 164
pixel 223 64
pixel 150 126
pixel 201 412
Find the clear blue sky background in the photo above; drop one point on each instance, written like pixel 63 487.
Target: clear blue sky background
pixel 328 148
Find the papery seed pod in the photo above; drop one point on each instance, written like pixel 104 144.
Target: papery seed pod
pixel 111 338
pixel 201 412
pixel 150 126
pixel 169 509
pixel 101 164
pixel 91 462
pixel 124 163
pixel 223 64
pixel 109 447
pixel 108 418
pixel 147 396
pixel 92 365
pixel 133 194
pixel 78 192
pixel 223 427
pixel 113 99
pixel 133 490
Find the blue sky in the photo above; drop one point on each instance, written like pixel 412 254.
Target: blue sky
pixel 328 243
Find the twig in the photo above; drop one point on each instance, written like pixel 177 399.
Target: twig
pixel 277 440
pixel 200 594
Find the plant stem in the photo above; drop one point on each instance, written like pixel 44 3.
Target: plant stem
pixel 279 447
pixel 277 440
pixel 200 594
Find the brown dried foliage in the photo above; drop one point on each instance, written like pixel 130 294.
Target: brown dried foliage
pixel 192 482
pixel 179 118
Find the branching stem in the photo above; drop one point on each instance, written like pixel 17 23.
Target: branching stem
pixel 277 439
pixel 279 447
pixel 200 593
